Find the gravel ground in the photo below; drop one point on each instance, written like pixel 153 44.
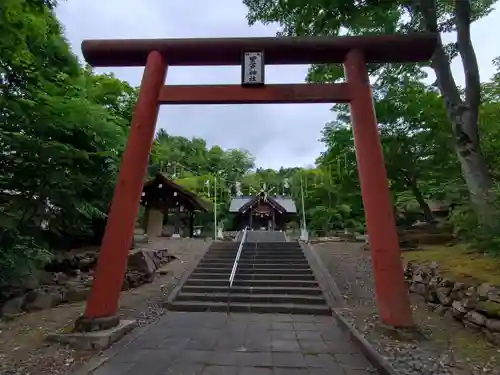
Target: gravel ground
pixel 23 350
pixel 440 346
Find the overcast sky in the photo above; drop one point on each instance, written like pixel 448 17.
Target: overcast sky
pixel 277 135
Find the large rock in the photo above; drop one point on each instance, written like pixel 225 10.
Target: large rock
pixel 443 295
pixel 419 288
pixel 13 306
pixel 493 325
pixel 476 318
pixel 487 291
pixel 43 298
pixel 76 294
pixel 144 261
pixel 148 260
pixel 458 310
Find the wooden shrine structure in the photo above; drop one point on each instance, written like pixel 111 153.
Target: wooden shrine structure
pixel 253 54
pixel 161 197
pixel 262 212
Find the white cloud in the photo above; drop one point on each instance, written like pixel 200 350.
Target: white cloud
pixel 276 134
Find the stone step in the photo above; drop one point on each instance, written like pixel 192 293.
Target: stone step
pixel 274 276
pixel 277 259
pixel 272 245
pixel 259 270
pixel 256 255
pixel 249 266
pixel 198 281
pixel 205 275
pixel 254 276
pixel 311 291
pixel 258 250
pixel 243 262
pixel 249 307
pixel 251 298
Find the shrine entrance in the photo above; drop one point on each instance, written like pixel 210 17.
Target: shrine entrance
pixel 253 54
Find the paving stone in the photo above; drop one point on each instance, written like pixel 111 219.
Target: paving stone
pixel 290 371
pixel 255 371
pixel 324 319
pixel 285 346
pixel 225 358
pixel 202 343
pixel 181 332
pixel 194 356
pixel 313 347
pixel 283 335
pixel 332 336
pixel 288 360
pixel 282 318
pixel 322 360
pixel 327 326
pixel 145 355
pixel 304 326
pixel 282 326
pixel 309 335
pixel 358 372
pixel 257 359
pixel 304 318
pixel 220 370
pixel 353 361
pixel 259 345
pixel 260 325
pixel 178 369
pixel 342 347
pixel 239 326
pixel 244 344
pixel 325 371
pixel 156 367
pixel 253 334
pixel 113 368
pixel 230 342
pixel 216 321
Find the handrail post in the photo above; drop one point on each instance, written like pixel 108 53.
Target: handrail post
pixel 235 265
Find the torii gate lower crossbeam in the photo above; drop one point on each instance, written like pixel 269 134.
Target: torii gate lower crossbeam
pixel 353 52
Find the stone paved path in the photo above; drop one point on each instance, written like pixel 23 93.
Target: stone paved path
pixel 191 343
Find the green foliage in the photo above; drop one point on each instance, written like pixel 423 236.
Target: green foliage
pixel 62 130
pixel 422 155
pixel 19 257
pixel 475 232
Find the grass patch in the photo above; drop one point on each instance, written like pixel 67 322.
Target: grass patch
pixel 459 263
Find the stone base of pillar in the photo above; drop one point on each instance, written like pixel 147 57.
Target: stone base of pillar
pixel 96 339
pixel 84 324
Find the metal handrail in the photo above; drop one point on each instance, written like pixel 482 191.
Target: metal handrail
pixel 235 265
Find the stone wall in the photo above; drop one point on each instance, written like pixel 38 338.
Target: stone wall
pixel 69 279
pixel 477 307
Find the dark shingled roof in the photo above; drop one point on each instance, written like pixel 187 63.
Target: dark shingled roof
pixel 189 197
pixel 286 203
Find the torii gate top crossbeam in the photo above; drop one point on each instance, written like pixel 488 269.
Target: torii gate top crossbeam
pixel 279 50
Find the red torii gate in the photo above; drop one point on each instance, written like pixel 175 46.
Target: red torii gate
pixel 353 51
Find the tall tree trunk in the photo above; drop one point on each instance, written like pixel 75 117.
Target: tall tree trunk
pixel 463 114
pixel 424 206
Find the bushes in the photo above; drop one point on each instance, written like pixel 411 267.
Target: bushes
pixel 481 233
pixel 19 257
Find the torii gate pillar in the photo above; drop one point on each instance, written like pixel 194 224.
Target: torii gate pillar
pixel 392 293
pixel 102 304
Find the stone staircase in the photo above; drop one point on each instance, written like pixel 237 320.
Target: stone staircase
pixel 272 277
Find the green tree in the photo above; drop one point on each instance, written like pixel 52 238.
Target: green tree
pixel 62 130
pixel 339 17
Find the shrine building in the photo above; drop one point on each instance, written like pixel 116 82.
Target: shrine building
pixel 262 212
